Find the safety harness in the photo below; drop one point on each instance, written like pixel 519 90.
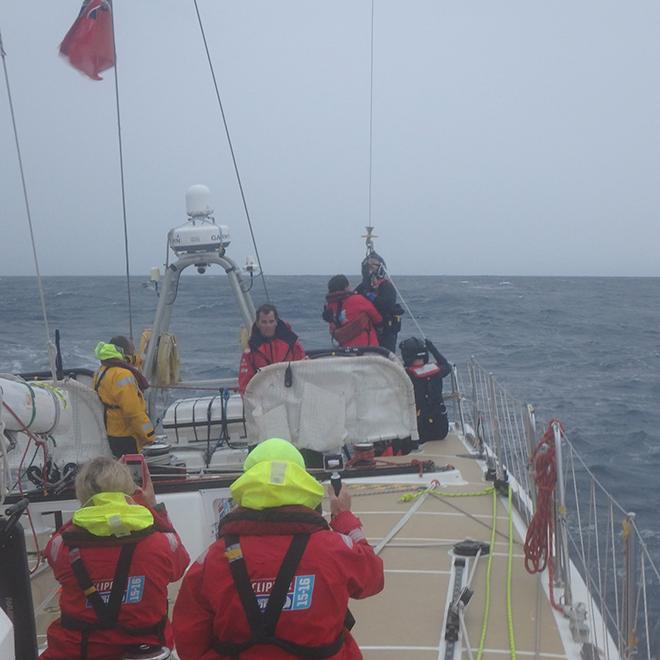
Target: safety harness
pixel 345 331
pixel 263 624
pixel 107 613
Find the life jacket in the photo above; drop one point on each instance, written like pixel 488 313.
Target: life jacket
pixel 303 522
pixel 342 328
pixel 97 524
pixel 282 331
pixel 432 420
pixel 427 370
pixel 284 346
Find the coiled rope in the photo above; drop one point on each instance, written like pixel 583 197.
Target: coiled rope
pixel 540 532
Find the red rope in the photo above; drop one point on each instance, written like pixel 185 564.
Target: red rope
pixel 40 443
pixel 362 456
pixel 540 532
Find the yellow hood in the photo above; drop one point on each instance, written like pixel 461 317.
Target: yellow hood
pixel 109 514
pixel 270 484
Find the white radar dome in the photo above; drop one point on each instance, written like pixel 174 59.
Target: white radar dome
pixel 198 199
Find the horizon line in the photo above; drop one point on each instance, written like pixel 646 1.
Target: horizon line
pixel 146 276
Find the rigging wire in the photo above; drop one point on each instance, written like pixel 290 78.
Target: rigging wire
pixel 369 237
pixel 42 297
pixel 231 149
pixel 123 185
pixel 405 304
pixel 371 112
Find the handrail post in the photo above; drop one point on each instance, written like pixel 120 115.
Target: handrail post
pixel 475 404
pixel 628 623
pixel 457 396
pixel 561 516
pixel 529 421
pixel 495 425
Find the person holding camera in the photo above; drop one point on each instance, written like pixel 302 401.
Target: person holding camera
pixel 113 561
pixel 276 583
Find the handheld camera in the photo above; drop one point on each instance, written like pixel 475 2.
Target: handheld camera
pixel 137 467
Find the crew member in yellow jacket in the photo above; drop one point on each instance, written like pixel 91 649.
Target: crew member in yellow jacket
pixel 119 385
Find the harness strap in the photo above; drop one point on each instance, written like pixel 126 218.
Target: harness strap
pixel 120 582
pixel 263 625
pixel 106 614
pixel 85 629
pixel 277 598
pixel 338 311
pixel 239 572
pixel 106 406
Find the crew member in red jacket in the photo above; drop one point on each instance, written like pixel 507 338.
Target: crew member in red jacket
pixel 271 341
pixel 276 583
pixel 352 318
pixel 113 561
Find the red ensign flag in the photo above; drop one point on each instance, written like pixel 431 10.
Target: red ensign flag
pixel 88 45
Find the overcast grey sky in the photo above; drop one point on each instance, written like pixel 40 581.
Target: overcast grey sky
pixel 511 137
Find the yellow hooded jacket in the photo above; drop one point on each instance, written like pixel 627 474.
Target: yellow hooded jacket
pixel 110 514
pixel 124 404
pixel 275 476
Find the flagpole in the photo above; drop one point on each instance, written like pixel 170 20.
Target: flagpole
pixel 121 169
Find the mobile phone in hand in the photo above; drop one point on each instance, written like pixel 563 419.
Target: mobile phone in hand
pixel 137 467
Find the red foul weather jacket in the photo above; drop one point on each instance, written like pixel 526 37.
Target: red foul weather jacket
pixel 352 319
pixel 337 564
pixel 158 559
pixel 261 351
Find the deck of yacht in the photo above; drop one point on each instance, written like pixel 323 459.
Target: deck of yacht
pixel 407 620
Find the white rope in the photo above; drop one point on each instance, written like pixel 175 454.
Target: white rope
pixel 5 477
pixel 42 298
pixel 405 304
pixel 404 519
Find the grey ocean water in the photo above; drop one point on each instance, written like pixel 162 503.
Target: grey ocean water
pixel 585 350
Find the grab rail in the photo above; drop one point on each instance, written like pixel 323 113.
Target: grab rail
pixel 594 534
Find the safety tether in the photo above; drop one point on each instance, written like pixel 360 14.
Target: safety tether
pixel 490 490
pixel 231 149
pixel 369 241
pixel 489 572
pixel 405 304
pixel 509 578
pixel 42 297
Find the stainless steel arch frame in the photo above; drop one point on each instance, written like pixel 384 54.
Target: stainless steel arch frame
pixel 168 294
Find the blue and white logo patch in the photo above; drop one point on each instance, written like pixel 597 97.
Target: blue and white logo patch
pixel 133 594
pixel 299 596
